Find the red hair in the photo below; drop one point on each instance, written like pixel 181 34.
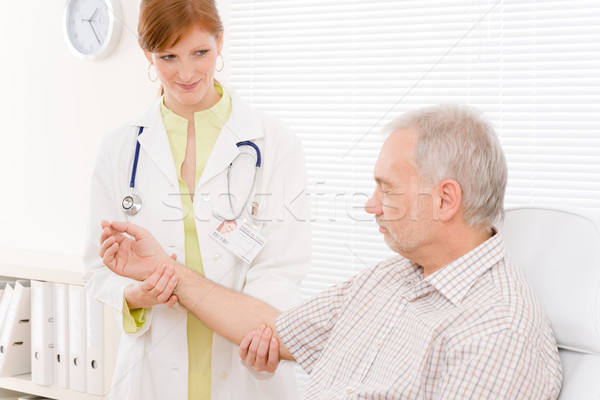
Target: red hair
pixel 163 22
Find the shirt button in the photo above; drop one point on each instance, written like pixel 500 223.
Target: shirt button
pixel 223 375
pixel 217 256
pixel 349 391
pixel 379 344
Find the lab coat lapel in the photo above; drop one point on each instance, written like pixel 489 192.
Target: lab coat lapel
pixel 155 142
pixel 242 125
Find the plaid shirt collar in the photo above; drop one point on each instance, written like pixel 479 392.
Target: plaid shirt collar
pixel 456 279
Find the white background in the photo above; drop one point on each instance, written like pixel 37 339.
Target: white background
pixel 54 109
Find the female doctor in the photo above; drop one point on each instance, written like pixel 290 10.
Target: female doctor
pixel 197 157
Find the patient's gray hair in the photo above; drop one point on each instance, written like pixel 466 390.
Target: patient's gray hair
pixel 456 142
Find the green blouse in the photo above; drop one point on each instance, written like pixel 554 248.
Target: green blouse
pixel 208 124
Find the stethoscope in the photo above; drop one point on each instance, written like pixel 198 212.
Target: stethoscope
pixel 132 203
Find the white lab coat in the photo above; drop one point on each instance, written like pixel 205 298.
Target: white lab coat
pixel 152 363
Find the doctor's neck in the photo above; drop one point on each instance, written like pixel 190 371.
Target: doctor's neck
pixel 196 104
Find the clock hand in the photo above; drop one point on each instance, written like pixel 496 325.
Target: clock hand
pixel 93 15
pixel 93 30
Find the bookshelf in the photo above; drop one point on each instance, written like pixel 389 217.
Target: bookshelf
pixel 62 268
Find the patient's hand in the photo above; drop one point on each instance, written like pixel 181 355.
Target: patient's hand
pixel 260 350
pixel 135 258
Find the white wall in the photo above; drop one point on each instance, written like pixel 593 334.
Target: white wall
pixel 54 109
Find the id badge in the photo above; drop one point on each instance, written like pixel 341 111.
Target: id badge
pixel 239 238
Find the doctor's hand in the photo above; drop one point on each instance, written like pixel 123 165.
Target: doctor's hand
pixel 260 350
pixel 135 258
pixel 157 289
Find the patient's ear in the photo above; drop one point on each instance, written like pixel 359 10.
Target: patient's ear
pixel 450 199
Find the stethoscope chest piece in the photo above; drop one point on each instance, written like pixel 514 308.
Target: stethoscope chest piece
pixel 131 204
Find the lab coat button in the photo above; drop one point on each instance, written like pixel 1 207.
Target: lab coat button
pixel 218 257
pixel 205 197
pixel 223 375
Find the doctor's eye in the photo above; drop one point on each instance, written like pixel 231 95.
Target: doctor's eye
pixel 201 52
pixel 168 57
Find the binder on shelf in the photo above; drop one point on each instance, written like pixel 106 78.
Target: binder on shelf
pixel 95 346
pixel 42 334
pixel 2 286
pixel 60 302
pixel 77 339
pixel 15 339
pixel 5 301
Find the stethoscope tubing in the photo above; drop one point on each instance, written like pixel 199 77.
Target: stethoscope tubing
pixel 135 202
pixel 254 146
pixel 135 160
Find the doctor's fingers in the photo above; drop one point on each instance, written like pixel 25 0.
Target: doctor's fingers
pixel 150 282
pixel 251 358
pixel 167 291
pixel 160 284
pixel 263 352
pixel 245 344
pixel 172 301
pixel 274 358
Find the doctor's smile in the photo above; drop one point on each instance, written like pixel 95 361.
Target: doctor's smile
pixel 189 87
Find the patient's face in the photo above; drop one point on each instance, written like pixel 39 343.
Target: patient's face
pixel 402 201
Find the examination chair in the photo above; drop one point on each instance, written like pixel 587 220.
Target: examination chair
pixel 558 249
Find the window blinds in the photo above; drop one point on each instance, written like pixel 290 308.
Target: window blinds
pixel 338 70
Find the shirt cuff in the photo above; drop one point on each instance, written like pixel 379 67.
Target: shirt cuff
pixel 291 341
pixel 133 319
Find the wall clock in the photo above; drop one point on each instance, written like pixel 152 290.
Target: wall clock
pixel 92 28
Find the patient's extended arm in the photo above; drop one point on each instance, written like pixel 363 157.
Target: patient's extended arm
pixel 132 251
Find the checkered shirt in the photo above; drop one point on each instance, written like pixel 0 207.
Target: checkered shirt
pixel 472 330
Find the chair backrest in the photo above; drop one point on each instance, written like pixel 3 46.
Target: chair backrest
pixel 558 249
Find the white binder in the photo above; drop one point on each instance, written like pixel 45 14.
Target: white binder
pixel 5 301
pixel 95 347
pixel 15 340
pixel 2 286
pixel 42 334
pixel 77 338
pixel 60 301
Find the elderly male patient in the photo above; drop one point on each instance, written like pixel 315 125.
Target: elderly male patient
pixel 449 317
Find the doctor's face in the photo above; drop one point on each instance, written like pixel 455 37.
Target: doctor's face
pixel 186 71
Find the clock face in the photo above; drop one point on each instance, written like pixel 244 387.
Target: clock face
pixel 89 27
